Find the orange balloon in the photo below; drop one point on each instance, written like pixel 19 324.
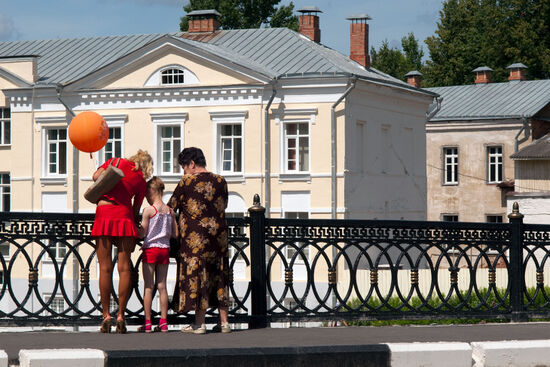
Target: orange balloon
pixel 88 132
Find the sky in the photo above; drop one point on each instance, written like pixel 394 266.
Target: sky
pixel 58 19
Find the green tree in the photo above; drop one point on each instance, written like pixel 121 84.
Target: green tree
pixel 494 33
pixel 398 62
pixel 237 14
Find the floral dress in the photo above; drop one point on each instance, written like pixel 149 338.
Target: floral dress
pixel 203 265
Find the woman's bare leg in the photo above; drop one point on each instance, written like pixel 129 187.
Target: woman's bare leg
pixel 223 315
pixel 104 250
pixel 125 249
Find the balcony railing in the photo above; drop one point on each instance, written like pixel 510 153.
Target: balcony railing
pixel 294 270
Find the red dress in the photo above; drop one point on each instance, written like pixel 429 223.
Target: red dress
pixel 118 220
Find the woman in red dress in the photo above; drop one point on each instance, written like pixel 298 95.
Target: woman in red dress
pixel 115 222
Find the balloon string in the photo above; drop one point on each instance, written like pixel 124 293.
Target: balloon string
pixel 91 157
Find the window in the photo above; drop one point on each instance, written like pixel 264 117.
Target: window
pixel 296 139
pixel 5 249
pixel 494 218
pixel 172 76
pixel 290 250
pixel 113 148
pixel 450 163
pixel 450 217
pixel 494 164
pixel 5 126
pixel 56 152
pixel 230 153
pixel 170 138
pixel 57 250
pixel 57 305
pixel 5 192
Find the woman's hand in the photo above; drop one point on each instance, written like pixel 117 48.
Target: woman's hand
pixel 98 173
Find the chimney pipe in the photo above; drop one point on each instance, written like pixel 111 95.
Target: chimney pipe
pixel 203 21
pixel 309 23
pixel 483 75
pixel 517 71
pixel 414 78
pixel 359 39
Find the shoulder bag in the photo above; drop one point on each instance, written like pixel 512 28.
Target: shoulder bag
pixel 104 183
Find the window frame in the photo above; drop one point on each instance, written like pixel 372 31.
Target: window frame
pixel 173 75
pixel 220 119
pixel 454 164
pixel 448 215
pixel 497 164
pixel 488 216
pixel 113 122
pixel 46 152
pixel 3 122
pixel 284 147
pixel 161 120
pixel 3 193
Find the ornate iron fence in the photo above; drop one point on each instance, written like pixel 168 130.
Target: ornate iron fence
pixel 287 270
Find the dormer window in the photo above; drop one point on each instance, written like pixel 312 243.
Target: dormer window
pixel 172 76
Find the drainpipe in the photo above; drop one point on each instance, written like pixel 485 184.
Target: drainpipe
pixel 267 138
pixel 527 133
pixel 333 147
pixel 59 89
pixel 430 114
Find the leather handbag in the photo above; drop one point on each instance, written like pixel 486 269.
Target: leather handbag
pixel 104 183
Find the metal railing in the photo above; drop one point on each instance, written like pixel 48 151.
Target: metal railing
pixel 297 270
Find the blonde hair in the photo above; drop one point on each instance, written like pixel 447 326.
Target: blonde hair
pixel 143 162
pixel 156 184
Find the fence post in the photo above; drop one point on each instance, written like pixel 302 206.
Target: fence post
pixel 258 297
pixel 516 275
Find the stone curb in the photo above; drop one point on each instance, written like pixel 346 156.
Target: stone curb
pixel 526 353
pixel 430 354
pixel 61 358
pixel 450 354
pixel 3 359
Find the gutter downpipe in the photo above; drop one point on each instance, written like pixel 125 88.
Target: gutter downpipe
pixel 59 89
pixel 333 147
pixel 431 114
pixel 267 145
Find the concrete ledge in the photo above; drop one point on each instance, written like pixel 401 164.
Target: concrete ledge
pixel 430 354
pixel 61 358
pixel 375 355
pixel 512 353
pixel 3 359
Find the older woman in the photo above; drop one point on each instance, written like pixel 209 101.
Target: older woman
pixel 203 271
pixel 115 222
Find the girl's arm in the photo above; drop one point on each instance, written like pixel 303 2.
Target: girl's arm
pixel 175 232
pixel 145 221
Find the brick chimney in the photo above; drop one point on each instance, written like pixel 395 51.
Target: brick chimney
pixel 309 23
pixel 483 75
pixel 359 39
pixel 203 21
pixel 414 78
pixel 517 71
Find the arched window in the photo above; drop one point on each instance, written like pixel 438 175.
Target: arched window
pixel 172 76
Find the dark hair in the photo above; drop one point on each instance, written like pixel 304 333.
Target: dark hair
pixel 192 154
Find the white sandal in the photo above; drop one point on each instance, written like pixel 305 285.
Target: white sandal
pixel 194 329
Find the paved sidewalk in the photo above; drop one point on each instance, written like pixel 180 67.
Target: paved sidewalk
pixel 133 343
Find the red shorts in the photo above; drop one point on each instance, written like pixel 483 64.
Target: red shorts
pixel 155 255
pixel 114 220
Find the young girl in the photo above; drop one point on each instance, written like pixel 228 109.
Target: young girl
pixel 158 224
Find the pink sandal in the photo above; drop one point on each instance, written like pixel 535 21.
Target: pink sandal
pixel 163 326
pixel 145 328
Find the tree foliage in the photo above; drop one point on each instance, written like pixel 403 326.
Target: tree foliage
pixel 236 14
pixel 398 62
pixel 494 33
